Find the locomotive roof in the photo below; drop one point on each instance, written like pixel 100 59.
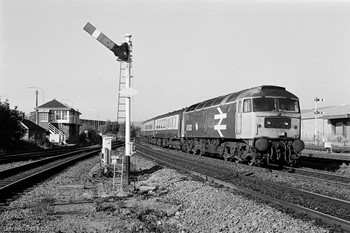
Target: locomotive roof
pixel 265 90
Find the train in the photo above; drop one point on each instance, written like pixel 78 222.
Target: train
pixel 256 126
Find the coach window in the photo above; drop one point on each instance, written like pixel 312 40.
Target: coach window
pixel 247 105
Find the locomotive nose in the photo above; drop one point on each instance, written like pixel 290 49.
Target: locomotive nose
pixel 298 145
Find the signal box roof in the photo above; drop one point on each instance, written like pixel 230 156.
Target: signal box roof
pixel 56 105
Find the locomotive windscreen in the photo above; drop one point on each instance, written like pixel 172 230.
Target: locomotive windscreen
pixel 275 104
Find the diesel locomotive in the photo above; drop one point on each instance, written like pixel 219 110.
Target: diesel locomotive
pixel 256 126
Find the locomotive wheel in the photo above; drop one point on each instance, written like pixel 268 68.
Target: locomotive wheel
pixel 252 162
pixel 281 163
pixel 293 159
pixel 239 155
pixel 221 149
pixel 202 149
pixel 227 156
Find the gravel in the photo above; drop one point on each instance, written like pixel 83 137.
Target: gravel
pixel 81 199
pixel 282 178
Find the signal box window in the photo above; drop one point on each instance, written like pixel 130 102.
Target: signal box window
pixel 64 115
pixel 247 106
pixel 44 117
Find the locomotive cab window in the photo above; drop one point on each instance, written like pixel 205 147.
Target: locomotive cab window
pixel 247 105
pixel 264 104
pixel 288 105
pixel 275 104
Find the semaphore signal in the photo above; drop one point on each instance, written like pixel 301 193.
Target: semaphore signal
pixel 123 54
pixel 120 51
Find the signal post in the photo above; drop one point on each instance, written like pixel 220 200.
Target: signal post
pixel 128 112
pixel 123 54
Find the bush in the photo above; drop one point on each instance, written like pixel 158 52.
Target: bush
pixel 90 135
pixel 11 130
pixel 344 169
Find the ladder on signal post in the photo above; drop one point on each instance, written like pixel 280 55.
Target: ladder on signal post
pixel 121 107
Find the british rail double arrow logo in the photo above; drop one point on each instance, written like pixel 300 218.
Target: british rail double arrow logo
pixel 220 127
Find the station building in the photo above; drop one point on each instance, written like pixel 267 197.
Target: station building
pixel 333 125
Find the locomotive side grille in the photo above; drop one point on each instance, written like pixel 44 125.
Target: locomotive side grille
pixel 278 123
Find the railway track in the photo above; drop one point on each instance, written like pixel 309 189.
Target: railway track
pixel 332 179
pixel 332 211
pixel 335 149
pixel 15 180
pixel 9 158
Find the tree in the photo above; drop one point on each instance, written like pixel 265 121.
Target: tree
pixel 11 129
pixel 89 134
pixel 134 131
pixel 110 128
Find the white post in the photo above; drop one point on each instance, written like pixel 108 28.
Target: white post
pixel 127 110
pixel 127 107
pixel 315 112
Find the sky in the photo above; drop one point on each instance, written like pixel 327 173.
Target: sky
pixel 184 52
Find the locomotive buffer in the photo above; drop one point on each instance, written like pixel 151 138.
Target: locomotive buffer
pixel 123 54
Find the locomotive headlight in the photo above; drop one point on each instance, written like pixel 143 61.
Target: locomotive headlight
pixel 268 122
pixel 261 144
pixel 283 134
pixel 286 123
